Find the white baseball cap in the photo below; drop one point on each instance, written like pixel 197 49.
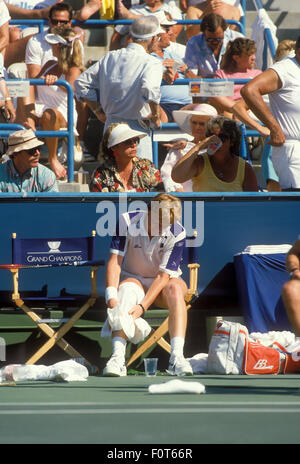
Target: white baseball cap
pixel 121 133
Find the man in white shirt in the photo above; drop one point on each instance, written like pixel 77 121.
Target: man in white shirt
pixel 39 52
pixel 5 100
pixel 143 268
pixel 129 82
pixel 281 82
pixel 204 51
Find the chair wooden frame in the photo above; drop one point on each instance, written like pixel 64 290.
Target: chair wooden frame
pixel 56 337
pixel 156 336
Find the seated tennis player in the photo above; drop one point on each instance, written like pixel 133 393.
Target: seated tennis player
pixel 143 268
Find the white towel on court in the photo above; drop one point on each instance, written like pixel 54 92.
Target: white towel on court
pixel 177 386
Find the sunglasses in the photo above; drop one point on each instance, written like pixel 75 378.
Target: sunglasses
pixel 217 39
pixel 55 22
pixel 31 151
pixel 131 141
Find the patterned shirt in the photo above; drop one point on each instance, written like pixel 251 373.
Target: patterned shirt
pixel 199 56
pixel 39 179
pixel 145 176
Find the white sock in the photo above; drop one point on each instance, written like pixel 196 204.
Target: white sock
pixel 177 344
pixel 119 347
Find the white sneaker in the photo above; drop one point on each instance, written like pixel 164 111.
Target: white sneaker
pixel 180 366
pixel 115 367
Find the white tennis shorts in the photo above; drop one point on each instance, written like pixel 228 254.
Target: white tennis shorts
pixel 286 162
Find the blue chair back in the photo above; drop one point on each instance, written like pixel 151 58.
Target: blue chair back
pixel 53 250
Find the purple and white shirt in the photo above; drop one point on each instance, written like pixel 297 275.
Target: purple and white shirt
pixel 144 257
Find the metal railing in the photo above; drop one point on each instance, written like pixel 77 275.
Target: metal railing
pixel 268 39
pixel 245 132
pixel 69 133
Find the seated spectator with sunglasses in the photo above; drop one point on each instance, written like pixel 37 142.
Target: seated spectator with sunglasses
pixel 204 51
pixel 121 170
pixel 22 171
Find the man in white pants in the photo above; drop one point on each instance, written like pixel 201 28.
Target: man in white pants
pixel 281 81
pixel 143 268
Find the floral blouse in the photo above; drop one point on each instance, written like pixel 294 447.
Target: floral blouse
pixel 106 178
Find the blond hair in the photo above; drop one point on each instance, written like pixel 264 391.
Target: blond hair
pixel 169 207
pixel 284 48
pixel 69 55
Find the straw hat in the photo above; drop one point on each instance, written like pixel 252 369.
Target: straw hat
pixel 182 117
pixel 121 133
pixel 22 140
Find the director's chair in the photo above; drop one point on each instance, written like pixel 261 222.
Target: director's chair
pixel 157 335
pixel 39 254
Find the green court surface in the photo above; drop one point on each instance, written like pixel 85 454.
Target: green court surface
pixel 234 410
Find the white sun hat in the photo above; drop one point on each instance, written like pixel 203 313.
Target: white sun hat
pixel 121 133
pixel 182 117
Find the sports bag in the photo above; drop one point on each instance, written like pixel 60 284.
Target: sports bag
pixel 231 351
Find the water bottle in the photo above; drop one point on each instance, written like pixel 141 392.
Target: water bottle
pixel 214 146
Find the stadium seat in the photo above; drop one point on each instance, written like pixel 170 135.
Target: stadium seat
pixel 39 254
pixel 157 335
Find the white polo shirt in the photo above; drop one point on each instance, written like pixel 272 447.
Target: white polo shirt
pixel 144 257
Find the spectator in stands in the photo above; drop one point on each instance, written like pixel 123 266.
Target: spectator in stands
pixel 291 289
pixel 52 108
pixel 192 122
pixel 4 27
pixel 281 82
pixel 22 172
pixel 286 48
pixel 121 170
pixel 204 51
pixel 136 278
pixel 238 62
pixel 225 8
pixel 39 51
pixel 156 8
pixel 7 109
pixel 222 170
pixel 6 106
pixel 173 97
pixel 129 81
pixel 40 9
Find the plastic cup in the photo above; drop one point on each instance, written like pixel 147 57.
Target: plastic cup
pixel 150 366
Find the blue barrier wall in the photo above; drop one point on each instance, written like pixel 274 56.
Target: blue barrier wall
pixel 230 222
